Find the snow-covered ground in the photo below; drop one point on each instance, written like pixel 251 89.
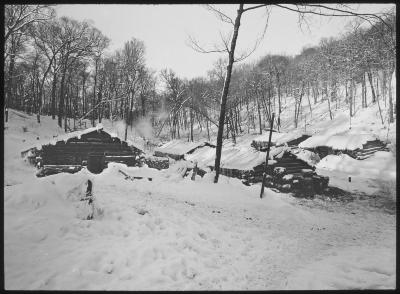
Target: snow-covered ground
pixel 172 233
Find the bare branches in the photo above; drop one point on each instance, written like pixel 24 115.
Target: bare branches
pixel 18 17
pixel 194 44
pixel 324 10
pixel 258 41
pixel 254 7
pixel 222 16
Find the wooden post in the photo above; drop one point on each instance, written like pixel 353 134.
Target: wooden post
pixel 266 159
pixel 194 171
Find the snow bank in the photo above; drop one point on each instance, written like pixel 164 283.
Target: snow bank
pixel 348 269
pixel 381 165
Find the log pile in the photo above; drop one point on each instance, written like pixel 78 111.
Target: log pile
pixel 261 145
pixel 171 155
pixel 368 150
pixel 157 162
pixel 288 174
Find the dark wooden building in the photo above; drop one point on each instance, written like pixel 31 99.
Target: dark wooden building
pixel 287 173
pixel 367 150
pixel 93 147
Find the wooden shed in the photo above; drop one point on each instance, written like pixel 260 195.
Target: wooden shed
pixel 359 146
pixel 289 173
pixel 93 147
pixel 368 149
pixel 286 172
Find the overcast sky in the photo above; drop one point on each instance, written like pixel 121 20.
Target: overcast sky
pixel 165 29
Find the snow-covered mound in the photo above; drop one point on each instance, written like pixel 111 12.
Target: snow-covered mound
pixel 381 164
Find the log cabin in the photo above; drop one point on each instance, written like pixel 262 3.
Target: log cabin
pixel 93 147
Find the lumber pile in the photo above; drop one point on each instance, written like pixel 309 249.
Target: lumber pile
pixel 157 162
pixel 368 150
pixel 288 174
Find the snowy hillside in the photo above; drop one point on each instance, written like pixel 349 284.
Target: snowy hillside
pixel 172 233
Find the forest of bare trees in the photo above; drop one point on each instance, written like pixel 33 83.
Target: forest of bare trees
pixel 59 67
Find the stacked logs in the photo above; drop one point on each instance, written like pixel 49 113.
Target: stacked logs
pixel 157 162
pixel 288 174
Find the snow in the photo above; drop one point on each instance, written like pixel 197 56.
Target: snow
pixel 338 142
pixel 172 233
pixel 310 157
pixel 348 268
pixel 239 156
pixel 67 136
pixel 367 175
pixel 178 147
pixel 381 164
pixel 279 138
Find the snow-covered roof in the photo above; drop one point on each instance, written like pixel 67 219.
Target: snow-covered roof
pixel 179 147
pixel 338 142
pixel 235 157
pixel 278 138
pixel 68 136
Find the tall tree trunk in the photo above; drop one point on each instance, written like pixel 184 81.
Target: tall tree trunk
pixel 191 124
pixel 259 115
pixel 208 130
pixel 377 99
pixel 84 102
pixel 10 82
pixel 351 99
pixel 143 100
pixel 94 93
pixel 308 97
pixel 391 118
pixel 315 94
pixel 231 124
pixel 62 94
pixel 363 90
pixel 225 91
pixel 372 86
pixel 279 103
pixel 329 103
pixel 53 96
